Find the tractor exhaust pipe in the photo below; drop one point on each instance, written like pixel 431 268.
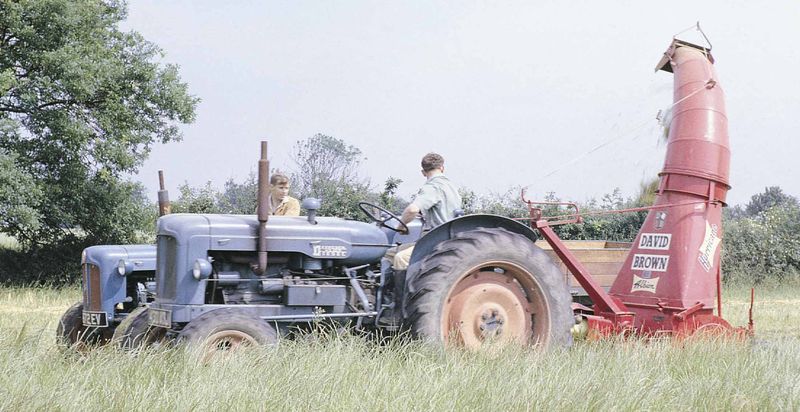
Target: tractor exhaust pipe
pixel 164 207
pixel 670 273
pixel 264 209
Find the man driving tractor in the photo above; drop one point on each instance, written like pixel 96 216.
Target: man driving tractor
pixel 437 201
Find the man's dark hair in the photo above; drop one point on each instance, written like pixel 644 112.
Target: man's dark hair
pixel 432 161
pixel 278 178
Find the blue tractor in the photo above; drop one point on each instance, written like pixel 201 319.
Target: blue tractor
pixel 231 280
pixel 474 279
pixel 116 280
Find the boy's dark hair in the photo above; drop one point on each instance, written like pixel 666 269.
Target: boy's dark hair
pixel 432 161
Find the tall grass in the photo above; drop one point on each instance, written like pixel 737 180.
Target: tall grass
pixel 353 373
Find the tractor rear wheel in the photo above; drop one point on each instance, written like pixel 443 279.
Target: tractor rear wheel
pixel 71 334
pixel 227 330
pixel 134 332
pixel 489 286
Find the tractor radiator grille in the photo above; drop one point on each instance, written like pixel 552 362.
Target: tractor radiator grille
pixel 92 289
pixel 166 266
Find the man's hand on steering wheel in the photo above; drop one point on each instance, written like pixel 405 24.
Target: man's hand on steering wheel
pixel 383 218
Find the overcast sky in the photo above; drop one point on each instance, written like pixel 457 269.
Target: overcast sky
pixel 511 93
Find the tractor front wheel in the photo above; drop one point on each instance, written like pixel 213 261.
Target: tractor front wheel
pixel 227 330
pixel 72 335
pixel 134 332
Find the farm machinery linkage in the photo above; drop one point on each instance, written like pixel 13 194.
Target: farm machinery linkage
pixel 229 280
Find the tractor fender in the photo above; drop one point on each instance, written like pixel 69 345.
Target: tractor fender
pixel 428 241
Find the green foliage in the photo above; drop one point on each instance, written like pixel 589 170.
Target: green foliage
pixel 48 265
pixel 598 222
pixel 8 242
pixel 613 200
pixel 127 218
pixel 508 204
pixel 125 215
pixel 21 197
pixel 196 200
pixel 772 196
pixel 327 169
pixel 469 200
pixel 341 200
pixel 618 227
pixel 763 243
pixel 81 104
pixel 321 159
pixel 389 198
pixel 239 198
pixel 647 193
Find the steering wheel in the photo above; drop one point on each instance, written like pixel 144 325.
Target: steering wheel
pixel 382 222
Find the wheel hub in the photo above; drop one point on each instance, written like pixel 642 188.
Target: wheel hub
pixel 487 307
pixel 226 342
pixel 491 323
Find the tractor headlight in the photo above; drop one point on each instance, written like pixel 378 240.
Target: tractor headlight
pixel 201 269
pixel 124 267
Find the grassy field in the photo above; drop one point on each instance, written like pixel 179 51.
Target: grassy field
pixel 351 373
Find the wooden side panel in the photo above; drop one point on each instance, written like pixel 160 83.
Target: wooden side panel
pixel 601 258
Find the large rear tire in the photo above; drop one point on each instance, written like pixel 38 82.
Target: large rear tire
pixel 72 335
pixel 134 332
pixel 227 330
pixel 489 286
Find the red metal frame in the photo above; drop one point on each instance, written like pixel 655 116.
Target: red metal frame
pixel 611 316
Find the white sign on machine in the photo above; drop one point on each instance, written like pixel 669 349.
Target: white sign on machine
pixel 655 263
pixel 655 241
pixel 708 249
pixel 334 251
pixel 644 284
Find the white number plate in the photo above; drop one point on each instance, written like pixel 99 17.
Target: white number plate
pixel 159 317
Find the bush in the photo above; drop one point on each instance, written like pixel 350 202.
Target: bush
pixel 763 247
pixel 47 265
pixel 617 227
pixel 129 218
pixel 613 226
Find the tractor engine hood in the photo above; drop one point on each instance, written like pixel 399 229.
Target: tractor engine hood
pixel 103 286
pixel 351 242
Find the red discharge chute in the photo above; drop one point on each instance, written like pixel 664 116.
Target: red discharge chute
pixel 669 279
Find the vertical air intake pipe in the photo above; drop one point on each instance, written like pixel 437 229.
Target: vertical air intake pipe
pixel 264 208
pixel 164 207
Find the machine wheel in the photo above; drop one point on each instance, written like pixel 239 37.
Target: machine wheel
pixel 489 285
pixel 71 334
pixel 227 329
pixel 134 332
pixel 705 327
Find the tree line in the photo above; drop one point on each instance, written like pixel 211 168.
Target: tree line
pixel 761 239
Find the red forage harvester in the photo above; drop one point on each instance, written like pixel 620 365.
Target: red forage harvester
pixel 670 280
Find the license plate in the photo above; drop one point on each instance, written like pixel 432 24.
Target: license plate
pixel 159 317
pixel 98 319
